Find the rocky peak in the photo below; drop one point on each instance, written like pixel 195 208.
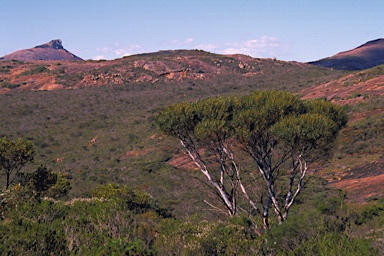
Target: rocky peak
pixel 54 44
pixel 52 50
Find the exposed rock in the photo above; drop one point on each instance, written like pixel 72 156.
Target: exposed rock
pixel 167 67
pixel 54 44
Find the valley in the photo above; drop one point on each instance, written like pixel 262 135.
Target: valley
pixel 94 122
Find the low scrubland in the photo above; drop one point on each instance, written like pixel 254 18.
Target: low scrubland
pixel 126 198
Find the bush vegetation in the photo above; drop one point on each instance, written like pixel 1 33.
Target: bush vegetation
pixel 35 70
pixel 101 182
pixel 119 220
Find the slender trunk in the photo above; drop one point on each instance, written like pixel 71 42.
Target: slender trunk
pixel 237 170
pixel 254 206
pixel 289 193
pixel 266 213
pixel 286 213
pixel 8 175
pixel 203 168
pixel 302 164
pixel 275 203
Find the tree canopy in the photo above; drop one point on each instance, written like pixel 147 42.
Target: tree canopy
pixel 14 155
pixel 281 134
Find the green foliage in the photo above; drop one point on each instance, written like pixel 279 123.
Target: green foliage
pixel 369 212
pixel 322 227
pixel 178 119
pixel 5 69
pixel 306 132
pixel 273 127
pixel 46 183
pixel 109 224
pixel 119 247
pixel 123 223
pixel 61 124
pixel 136 201
pixel 42 179
pixel 263 109
pixel 335 113
pixel 196 237
pixel 14 155
pixel 31 238
pixel 363 136
pixel 9 85
pixel 216 115
pixel 60 189
pixel 335 244
pixel 35 70
pixel 32 188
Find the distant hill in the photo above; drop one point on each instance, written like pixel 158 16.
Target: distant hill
pixel 190 68
pixel 53 50
pixel 365 56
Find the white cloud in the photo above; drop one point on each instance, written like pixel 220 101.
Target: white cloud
pixel 104 49
pixel 188 40
pixel 118 51
pixel 207 47
pixel 261 47
pixel 264 46
pixel 128 50
pixel 99 57
pixel 175 41
pixel 178 43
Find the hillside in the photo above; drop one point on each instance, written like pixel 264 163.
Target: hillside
pixel 188 67
pixel 93 122
pixel 52 50
pixel 358 166
pixel 365 56
pixel 147 83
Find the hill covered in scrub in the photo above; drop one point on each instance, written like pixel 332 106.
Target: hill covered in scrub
pixel 118 99
pixel 133 190
pixel 187 67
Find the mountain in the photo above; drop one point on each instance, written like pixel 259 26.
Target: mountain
pixel 52 50
pixel 365 56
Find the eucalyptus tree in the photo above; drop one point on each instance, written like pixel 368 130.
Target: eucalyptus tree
pixel 13 156
pixel 281 133
pixel 204 129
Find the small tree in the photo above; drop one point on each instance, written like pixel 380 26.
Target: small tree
pixel 281 133
pixel 42 179
pixel 13 156
pixel 205 126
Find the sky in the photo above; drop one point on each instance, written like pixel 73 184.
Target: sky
pixel 290 30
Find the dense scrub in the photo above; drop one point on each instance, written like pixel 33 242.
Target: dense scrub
pixel 119 220
pixel 94 137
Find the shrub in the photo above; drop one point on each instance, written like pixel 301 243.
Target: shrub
pixel 9 85
pixel 35 70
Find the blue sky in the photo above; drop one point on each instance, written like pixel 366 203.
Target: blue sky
pixel 300 30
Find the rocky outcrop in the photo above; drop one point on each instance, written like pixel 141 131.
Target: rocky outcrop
pixel 187 67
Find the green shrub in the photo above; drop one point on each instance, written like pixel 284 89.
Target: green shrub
pixel 5 69
pixel 9 85
pixel 335 244
pixel 35 70
pixel 369 212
